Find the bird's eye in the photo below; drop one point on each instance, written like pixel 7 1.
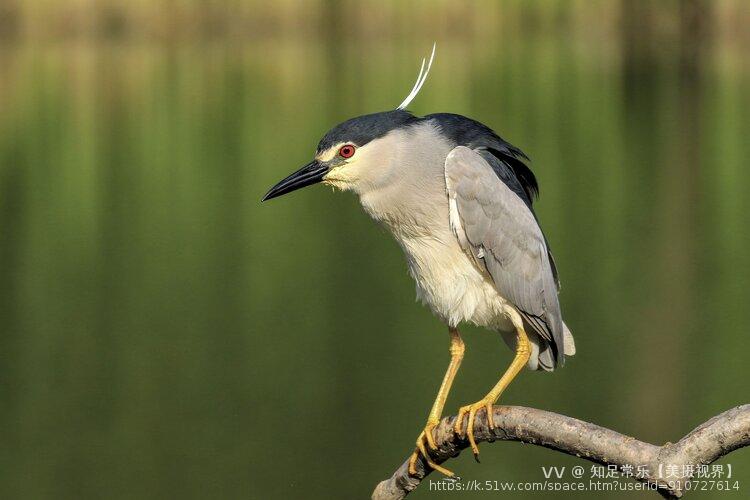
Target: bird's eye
pixel 346 151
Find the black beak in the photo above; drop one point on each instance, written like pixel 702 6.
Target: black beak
pixel 311 173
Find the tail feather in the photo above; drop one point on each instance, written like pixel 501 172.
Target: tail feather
pixel 542 354
pixel 545 357
pixel 569 345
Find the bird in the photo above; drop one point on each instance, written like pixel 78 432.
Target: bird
pixel 458 199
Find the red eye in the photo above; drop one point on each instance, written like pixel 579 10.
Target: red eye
pixel 346 151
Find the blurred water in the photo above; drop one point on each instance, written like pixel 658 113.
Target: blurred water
pixel 164 335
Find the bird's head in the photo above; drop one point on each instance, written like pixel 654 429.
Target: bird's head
pixel 357 154
pixel 354 155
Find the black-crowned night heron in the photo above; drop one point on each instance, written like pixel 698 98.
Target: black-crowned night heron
pixel 458 199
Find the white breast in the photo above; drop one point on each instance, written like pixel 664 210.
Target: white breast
pixel 450 284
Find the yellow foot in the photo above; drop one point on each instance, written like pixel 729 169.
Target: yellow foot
pixel 472 410
pixel 426 435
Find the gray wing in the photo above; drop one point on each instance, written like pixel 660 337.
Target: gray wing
pixel 496 227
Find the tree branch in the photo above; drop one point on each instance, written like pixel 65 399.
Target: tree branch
pixel 710 441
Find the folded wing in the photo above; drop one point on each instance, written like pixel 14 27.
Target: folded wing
pixel 497 228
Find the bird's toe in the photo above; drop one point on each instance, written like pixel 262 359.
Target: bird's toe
pixel 426 436
pixel 471 411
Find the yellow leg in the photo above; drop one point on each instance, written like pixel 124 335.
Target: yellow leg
pixel 523 352
pixel 457 354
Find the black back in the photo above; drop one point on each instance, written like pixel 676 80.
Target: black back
pixel 511 169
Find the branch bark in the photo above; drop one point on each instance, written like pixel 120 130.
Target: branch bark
pixel 710 441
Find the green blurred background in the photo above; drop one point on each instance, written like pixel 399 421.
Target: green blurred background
pixel 164 335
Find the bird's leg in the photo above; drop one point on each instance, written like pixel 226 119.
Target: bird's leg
pixel 523 352
pixel 457 354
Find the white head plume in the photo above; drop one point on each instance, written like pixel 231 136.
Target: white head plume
pixel 420 81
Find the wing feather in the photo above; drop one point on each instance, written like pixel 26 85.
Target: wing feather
pixel 498 228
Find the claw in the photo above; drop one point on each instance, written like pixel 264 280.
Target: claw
pixel 426 435
pixel 472 411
